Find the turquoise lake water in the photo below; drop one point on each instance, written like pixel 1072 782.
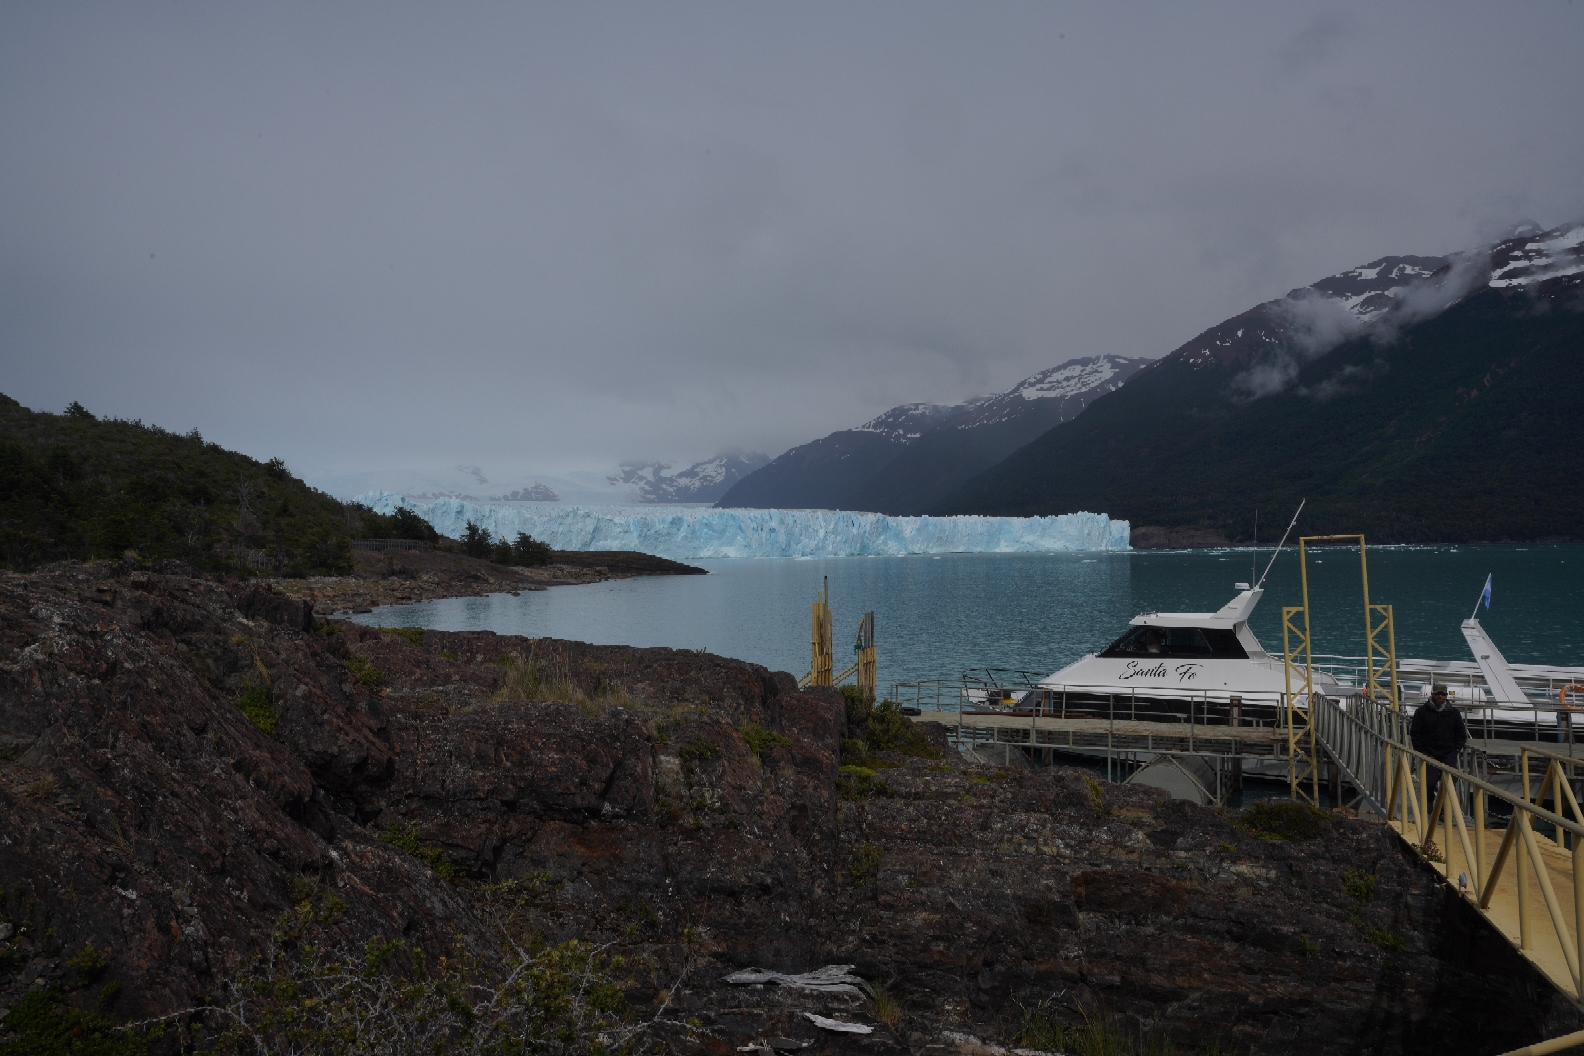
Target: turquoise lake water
pixel 937 617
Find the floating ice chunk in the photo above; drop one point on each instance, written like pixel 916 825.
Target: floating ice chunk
pixel 692 533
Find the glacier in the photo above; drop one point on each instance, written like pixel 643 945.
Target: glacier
pixel 694 533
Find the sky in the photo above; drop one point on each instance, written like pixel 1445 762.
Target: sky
pixel 384 241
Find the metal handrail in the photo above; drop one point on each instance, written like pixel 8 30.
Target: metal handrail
pixel 1366 740
pixel 1331 707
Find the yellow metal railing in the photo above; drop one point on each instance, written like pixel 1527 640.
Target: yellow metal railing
pixel 1526 863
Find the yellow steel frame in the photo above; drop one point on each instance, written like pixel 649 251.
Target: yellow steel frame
pixel 1300 726
pixel 867 664
pixel 821 654
pixel 1380 668
pixel 1533 857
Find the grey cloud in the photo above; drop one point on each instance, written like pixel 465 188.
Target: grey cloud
pixel 1316 324
pixel 1319 41
pixel 398 238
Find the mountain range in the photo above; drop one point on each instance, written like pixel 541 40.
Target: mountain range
pixel 1417 399
pixel 915 455
pixel 704 481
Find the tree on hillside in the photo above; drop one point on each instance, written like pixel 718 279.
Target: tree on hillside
pixel 476 541
pixel 529 552
pixel 405 524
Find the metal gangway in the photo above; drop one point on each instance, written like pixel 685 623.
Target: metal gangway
pixel 1512 871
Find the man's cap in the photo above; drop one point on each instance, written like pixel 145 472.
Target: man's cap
pixel 1437 688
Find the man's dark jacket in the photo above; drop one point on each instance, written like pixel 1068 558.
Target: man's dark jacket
pixel 1437 733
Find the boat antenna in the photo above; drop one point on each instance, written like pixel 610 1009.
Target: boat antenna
pixel 1254 557
pixel 1279 545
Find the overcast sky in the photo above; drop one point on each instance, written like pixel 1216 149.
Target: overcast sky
pixel 383 240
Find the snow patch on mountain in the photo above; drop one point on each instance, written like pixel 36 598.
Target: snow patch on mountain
pixel 1079 381
pixel 909 421
pixel 1550 255
pixel 1373 288
pixel 1069 379
pixel 694 534
pixel 701 482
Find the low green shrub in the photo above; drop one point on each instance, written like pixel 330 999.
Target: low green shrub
pixel 865 867
pixel 860 782
pixel 406 841
pixel 313 991
pixel 254 702
pixel 1097 796
pixel 365 672
pixel 1274 820
pixel 88 965
pixel 1385 938
pixel 1359 885
pixel 886 729
pixel 44 1023
pixel 761 740
pixel 414 635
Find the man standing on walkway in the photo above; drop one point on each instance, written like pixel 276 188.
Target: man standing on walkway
pixel 1438 732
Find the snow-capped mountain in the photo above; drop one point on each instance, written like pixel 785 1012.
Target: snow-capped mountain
pixel 909 421
pixel 1416 399
pixel 701 482
pixel 1065 389
pixel 1273 340
pixel 903 460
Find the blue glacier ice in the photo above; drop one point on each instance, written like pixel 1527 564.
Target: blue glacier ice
pixel 691 533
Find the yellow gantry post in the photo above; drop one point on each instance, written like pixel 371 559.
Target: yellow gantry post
pixel 1380 668
pixel 820 663
pixel 1300 728
pixel 866 657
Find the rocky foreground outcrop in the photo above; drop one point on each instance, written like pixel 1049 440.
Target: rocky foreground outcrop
pixel 183 760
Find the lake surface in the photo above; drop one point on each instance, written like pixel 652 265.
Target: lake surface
pixel 937 617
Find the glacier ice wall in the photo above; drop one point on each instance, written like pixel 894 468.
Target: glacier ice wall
pixel 697 533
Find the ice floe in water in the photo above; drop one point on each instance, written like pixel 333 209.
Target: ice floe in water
pixel 697 533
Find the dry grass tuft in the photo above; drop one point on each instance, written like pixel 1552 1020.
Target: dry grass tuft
pixel 886 1009
pixel 40 788
pixel 529 679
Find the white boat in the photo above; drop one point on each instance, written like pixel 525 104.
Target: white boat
pixel 1203 666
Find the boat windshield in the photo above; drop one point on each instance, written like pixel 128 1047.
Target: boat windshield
pixel 1178 642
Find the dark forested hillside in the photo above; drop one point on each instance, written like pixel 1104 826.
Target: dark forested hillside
pixel 1468 426
pixel 73 486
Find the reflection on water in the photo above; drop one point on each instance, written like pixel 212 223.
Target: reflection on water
pixel 939 616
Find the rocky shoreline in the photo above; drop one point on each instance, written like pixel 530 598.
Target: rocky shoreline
pixel 194 772
pixel 401 577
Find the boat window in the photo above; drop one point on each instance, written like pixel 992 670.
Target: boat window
pixel 1177 643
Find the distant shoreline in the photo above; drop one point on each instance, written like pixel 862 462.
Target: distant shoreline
pixel 404 577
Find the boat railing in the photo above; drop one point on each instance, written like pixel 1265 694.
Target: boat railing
pixel 959 696
pixel 1463 678
pixel 1493 725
